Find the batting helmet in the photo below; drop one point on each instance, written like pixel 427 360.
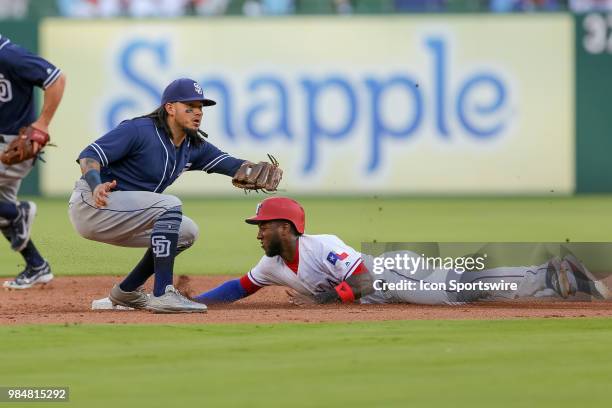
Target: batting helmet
pixel 280 208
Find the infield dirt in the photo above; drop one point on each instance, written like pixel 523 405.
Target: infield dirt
pixel 67 300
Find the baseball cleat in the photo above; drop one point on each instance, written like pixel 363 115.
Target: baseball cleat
pixel 22 225
pixel 173 302
pixel 137 299
pixel 31 276
pixel 587 282
pixel 560 278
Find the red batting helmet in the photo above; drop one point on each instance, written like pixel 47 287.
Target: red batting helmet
pixel 280 208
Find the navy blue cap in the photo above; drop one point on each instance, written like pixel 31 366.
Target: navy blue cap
pixel 185 90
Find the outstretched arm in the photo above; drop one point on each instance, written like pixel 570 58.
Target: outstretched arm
pixel 53 97
pixel 228 292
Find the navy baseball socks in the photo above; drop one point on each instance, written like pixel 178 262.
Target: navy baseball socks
pixel 21 224
pixel 36 271
pixel 8 210
pixel 160 259
pixel 139 275
pixel 143 270
pixel 21 217
pixel 164 241
pixel 29 252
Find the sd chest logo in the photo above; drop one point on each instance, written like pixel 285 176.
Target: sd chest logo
pixel 6 92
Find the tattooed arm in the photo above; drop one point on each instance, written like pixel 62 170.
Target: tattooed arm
pixel 90 169
pixel 87 164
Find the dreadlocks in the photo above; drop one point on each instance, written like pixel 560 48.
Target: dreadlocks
pixel 160 119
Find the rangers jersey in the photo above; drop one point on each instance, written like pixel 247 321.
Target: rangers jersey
pixel 321 263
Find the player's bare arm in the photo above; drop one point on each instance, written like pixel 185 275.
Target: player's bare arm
pixel 88 164
pixel 52 98
pixel 360 285
pixel 90 168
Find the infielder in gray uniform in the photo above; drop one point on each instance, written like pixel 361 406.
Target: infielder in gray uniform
pixel 120 201
pixel 20 72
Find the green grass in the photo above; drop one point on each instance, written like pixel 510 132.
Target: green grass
pixel 228 246
pixel 527 363
pixel 543 363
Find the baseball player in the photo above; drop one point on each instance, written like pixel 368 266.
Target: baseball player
pixel 20 72
pixel 323 269
pixel 119 199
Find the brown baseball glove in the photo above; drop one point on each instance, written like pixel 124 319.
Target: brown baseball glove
pixel 264 176
pixel 21 148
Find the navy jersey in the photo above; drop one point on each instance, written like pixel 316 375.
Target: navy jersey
pixel 141 157
pixel 20 72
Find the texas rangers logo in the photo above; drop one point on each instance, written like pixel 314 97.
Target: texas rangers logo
pixel 197 88
pixel 160 246
pixel 6 92
pixel 336 256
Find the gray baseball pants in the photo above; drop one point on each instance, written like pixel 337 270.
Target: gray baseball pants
pixel 528 279
pixel 128 218
pixel 11 176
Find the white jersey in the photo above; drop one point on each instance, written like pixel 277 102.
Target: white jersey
pixel 324 262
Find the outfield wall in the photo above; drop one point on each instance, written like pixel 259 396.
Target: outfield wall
pixel 593 102
pixel 433 105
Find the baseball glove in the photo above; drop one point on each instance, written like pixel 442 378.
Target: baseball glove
pixel 264 176
pixel 21 148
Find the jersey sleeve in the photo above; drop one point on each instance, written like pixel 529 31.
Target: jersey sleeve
pixel 113 146
pixel 32 68
pixel 263 274
pixel 340 260
pixel 207 157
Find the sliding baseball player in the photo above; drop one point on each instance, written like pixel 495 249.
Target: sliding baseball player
pixel 323 269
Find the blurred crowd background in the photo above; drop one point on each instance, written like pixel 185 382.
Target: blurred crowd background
pixel 22 9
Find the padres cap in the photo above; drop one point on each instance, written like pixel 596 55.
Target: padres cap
pixel 280 208
pixel 185 90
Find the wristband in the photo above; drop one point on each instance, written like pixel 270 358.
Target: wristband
pixel 92 177
pixel 345 292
